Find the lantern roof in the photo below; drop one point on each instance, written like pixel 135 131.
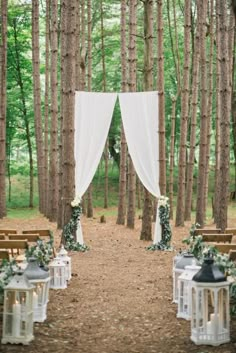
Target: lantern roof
pixel 209 272
pixel 34 272
pixel 19 281
pixel 186 259
pixel 62 251
pixel 57 262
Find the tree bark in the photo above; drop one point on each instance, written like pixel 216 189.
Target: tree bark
pixel 53 167
pixel 161 96
pixel 90 188
pixel 123 145
pixel 194 105
pixel 3 106
pixel 224 116
pixel 209 104
pixel 68 92
pixel 146 231
pixel 132 60
pixel 46 105
pixel 184 116
pixel 37 105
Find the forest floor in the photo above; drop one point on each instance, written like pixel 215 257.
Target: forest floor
pixel 119 299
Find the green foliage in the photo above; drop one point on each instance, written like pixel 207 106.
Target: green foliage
pixel 69 230
pixel 42 251
pixel 7 271
pixel 164 214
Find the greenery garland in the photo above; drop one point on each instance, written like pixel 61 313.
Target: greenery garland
pixel 164 215
pixel 71 227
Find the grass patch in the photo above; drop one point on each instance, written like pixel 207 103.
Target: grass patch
pixel 22 213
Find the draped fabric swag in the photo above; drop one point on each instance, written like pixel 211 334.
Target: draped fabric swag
pixel 93 114
pixel 139 112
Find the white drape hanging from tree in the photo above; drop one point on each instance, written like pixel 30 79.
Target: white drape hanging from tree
pixel 93 114
pixel 139 112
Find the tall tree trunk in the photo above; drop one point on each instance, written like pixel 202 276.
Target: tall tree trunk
pixel 60 142
pixel 209 105
pixel 200 208
pixel 232 48
pixel 146 231
pixel 123 145
pixel 46 105
pixel 106 151
pixel 184 116
pixel 132 88
pixel 78 43
pixel 172 156
pixel 194 105
pixel 89 5
pixel 68 92
pixel 161 91
pixel 224 116
pixel 20 83
pixel 233 104
pixel 37 105
pixel 217 124
pixel 175 53
pixel 3 88
pixel 53 166
pixel 83 68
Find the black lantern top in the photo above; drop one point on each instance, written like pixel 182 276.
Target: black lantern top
pixel 209 272
pixel 185 260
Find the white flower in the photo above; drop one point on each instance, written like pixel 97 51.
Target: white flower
pixel 76 201
pixel 163 201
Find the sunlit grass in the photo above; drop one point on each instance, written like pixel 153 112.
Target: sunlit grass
pixel 22 213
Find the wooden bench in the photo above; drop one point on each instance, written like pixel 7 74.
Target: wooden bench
pixel 200 231
pixel 8 231
pixel 217 238
pixel 41 232
pixel 225 248
pixel 232 255
pixel 31 238
pixel 13 246
pixel 227 230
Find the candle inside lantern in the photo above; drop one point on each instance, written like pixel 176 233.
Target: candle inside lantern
pixel 35 300
pixel 16 319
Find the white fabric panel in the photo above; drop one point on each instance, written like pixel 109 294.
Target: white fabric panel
pixel 93 114
pixel 139 113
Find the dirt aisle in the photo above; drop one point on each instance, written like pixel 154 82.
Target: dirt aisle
pixel 119 299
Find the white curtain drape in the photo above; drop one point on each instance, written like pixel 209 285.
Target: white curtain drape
pixel 93 113
pixel 139 112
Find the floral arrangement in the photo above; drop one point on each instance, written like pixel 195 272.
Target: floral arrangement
pixel 71 227
pixel 7 271
pixel 42 251
pixel 164 215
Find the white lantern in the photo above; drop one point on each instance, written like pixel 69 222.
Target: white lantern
pixel 185 292
pixel 41 280
pixel 57 271
pixel 185 260
pixel 210 306
pixel 18 311
pixel 63 254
